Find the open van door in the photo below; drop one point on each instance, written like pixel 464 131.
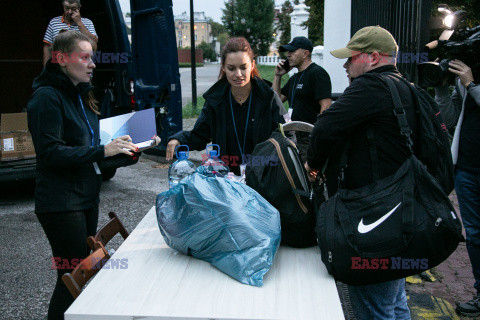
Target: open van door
pixel 155 62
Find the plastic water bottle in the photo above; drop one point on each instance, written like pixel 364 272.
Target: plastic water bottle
pixel 212 165
pixel 180 168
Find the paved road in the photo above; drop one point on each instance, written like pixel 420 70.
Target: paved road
pixel 26 277
pixel 206 76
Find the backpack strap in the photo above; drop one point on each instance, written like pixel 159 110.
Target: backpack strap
pixel 373 154
pixel 399 112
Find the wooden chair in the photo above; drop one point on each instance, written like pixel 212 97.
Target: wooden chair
pixel 107 232
pixel 86 269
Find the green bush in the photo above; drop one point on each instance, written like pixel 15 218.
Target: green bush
pixel 208 52
pixel 188 64
pixel 268 73
pixel 189 112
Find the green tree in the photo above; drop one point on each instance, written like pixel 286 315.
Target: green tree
pixel 315 21
pixel 284 20
pixel 222 38
pixel 208 52
pixel 217 28
pixel 252 19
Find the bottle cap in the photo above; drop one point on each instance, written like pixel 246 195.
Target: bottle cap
pixel 182 155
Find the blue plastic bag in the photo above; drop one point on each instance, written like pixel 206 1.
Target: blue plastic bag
pixel 223 222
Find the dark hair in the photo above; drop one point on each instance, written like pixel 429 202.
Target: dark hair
pixel 73 1
pixel 233 45
pixel 67 42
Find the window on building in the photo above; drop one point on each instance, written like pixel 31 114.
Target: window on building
pixel 195 37
pixel 180 43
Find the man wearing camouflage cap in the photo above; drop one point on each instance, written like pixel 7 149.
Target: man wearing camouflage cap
pixel 364 116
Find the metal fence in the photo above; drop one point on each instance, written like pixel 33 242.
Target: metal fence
pixel 407 20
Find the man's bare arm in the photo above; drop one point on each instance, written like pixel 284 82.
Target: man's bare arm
pixel 85 31
pixel 46 53
pixel 78 20
pixel 325 104
pixel 277 79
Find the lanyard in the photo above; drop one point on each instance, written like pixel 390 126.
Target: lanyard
pixel 242 151
pixel 294 89
pixel 89 126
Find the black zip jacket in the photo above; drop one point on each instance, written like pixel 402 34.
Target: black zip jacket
pixel 365 104
pixel 66 177
pixel 211 125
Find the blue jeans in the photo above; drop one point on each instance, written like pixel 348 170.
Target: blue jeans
pixel 467 187
pixel 382 301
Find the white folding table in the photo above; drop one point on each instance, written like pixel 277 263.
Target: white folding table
pixel 152 281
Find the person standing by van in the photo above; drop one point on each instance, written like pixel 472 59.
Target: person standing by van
pixel 63 121
pixel 70 20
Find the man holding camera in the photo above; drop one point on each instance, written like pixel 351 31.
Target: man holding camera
pixel 308 91
pixel 462 109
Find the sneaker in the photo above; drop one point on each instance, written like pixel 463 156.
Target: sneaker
pixel 470 308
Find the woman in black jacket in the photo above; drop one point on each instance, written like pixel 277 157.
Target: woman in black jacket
pixel 240 110
pixel 63 121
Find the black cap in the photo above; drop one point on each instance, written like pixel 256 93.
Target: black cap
pixel 297 43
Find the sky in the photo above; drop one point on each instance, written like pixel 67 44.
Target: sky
pixel 212 8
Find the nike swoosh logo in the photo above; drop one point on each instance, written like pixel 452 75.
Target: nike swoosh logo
pixel 362 228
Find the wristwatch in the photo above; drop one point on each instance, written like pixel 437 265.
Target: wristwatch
pixel 470 85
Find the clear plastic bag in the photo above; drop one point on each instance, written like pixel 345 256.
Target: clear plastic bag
pixel 223 222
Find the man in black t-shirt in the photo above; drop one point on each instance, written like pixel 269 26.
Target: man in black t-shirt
pixel 308 91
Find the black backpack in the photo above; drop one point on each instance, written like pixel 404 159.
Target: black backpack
pixel 282 180
pixel 433 143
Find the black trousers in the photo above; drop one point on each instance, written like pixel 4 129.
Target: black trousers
pixel 67 233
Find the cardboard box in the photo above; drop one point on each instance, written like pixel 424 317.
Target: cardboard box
pixel 15 139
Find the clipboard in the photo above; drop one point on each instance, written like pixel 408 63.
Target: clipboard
pixel 140 126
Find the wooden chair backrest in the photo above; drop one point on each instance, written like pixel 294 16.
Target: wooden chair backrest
pixel 86 269
pixel 107 232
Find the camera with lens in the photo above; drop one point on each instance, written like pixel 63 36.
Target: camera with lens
pixel 454 43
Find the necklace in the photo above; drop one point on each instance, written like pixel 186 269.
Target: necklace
pixel 242 96
pixel 240 99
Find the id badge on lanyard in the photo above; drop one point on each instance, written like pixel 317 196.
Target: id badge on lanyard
pixel 243 166
pixel 95 165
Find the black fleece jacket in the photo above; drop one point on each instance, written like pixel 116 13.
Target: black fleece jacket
pixel 66 177
pixel 365 105
pixel 212 125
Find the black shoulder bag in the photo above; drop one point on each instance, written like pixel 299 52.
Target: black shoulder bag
pixel 393 228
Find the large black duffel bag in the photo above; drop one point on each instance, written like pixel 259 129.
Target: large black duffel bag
pixel 396 227
pixel 278 174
